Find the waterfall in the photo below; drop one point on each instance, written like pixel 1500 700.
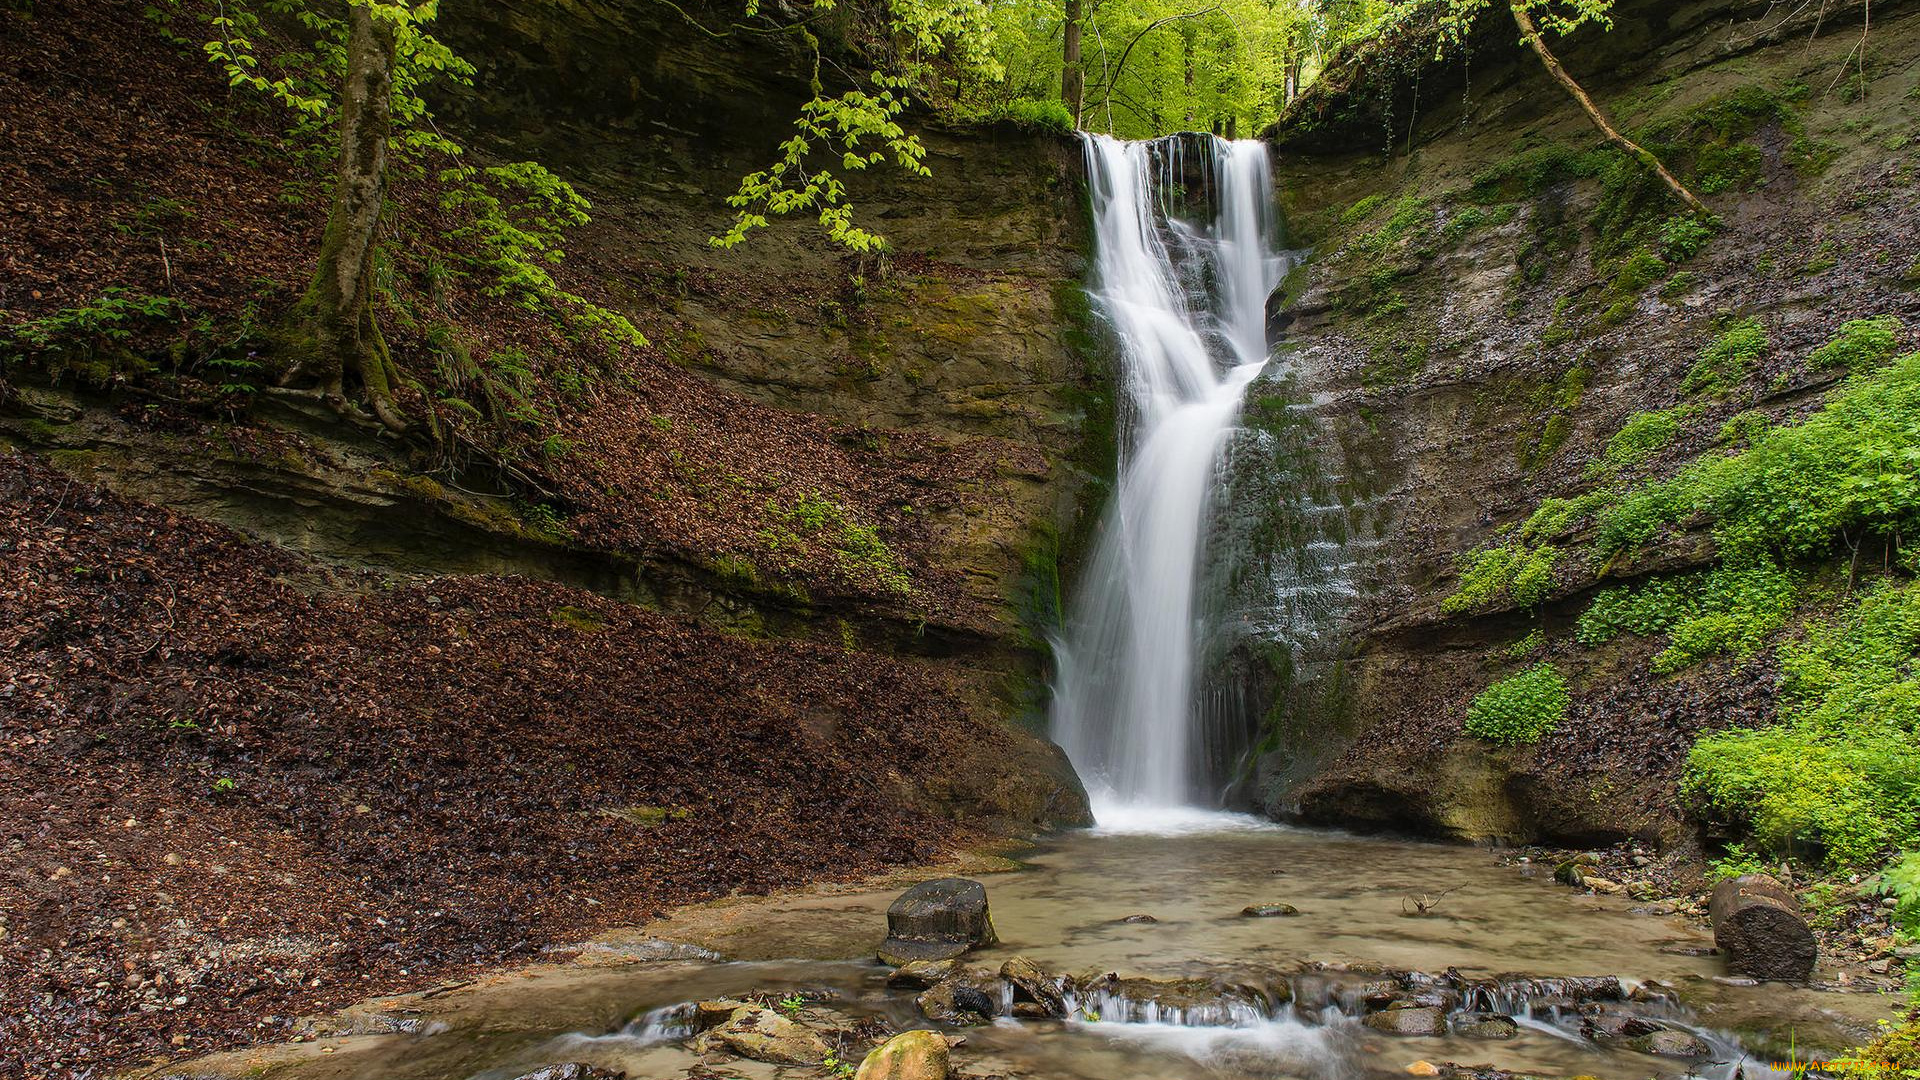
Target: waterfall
pixel 1184 295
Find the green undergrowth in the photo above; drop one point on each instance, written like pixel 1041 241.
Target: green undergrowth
pixel 1814 516
pixel 1520 708
pixel 1840 773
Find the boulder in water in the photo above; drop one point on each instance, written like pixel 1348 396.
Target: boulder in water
pixel 954 1002
pixel 937 920
pixel 910 1055
pixel 1603 1024
pixel 1032 986
pixel 922 974
pixel 1757 923
pixel 1485 1026
pixel 709 1014
pixel 1672 1044
pixel 1268 911
pixel 765 1035
pixel 1425 1020
pixel 574 1070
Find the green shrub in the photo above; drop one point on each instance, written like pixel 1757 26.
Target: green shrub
pixel 1520 708
pixel 1863 344
pixel 1854 465
pixel 1642 436
pixel 1039 114
pixel 1490 575
pixel 104 325
pixel 1841 771
pixel 1645 610
pixel 1729 359
pixel 1681 238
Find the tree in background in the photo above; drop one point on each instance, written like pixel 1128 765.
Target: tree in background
pixel 352 74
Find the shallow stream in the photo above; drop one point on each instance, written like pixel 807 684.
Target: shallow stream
pixel 1358 915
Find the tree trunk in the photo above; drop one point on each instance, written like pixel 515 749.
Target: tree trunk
pixel 337 311
pixel 1594 113
pixel 1758 925
pixel 1073 79
pixel 1186 58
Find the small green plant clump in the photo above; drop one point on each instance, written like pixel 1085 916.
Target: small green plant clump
pixel 1642 436
pixel 1038 114
pixel 93 329
pixel 1737 862
pixel 1863 344
pixel 1521 708
pixel 1518 573
pixel 1728 360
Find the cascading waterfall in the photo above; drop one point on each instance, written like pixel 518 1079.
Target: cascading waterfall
pixel 1186 304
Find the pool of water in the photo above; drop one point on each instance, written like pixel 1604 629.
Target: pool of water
pixel 1359 900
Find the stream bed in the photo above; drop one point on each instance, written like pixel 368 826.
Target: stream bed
pixel 1297 984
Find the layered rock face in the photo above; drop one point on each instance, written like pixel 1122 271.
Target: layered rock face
pixel 1484 308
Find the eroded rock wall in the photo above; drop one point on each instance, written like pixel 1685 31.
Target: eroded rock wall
pixel 1477 321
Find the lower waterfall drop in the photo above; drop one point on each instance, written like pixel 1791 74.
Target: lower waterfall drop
pixel 1185 301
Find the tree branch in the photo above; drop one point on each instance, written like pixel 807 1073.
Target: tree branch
pixel 1641 154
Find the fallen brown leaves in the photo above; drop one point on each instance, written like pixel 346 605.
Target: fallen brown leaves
pixel 235 785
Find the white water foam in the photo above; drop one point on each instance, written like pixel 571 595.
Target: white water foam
pixel 1120 817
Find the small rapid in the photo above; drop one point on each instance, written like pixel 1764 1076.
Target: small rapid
pixel 1185 256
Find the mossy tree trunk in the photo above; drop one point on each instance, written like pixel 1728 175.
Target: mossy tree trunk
pixel 335 319
pixel 1594 113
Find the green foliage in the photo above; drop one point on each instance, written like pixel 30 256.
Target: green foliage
pixel 1410 213
pixel 1362 209
pixel 516 217
pixel 1726 610
pixel 1729 359
pixel 306 77
pixel 928 41
pixel 863 129
pixel 1642 436
pixel 1901 880
pixel 1841 772
pixel 1490 575
pixel 1638 271
pixel 510 220
pixel 90 330
pixel 1525 646
pixel 1521 708
pixel 1852 467
pixel 1531 172
pixel 1556 517
pixel 1737 862
pixel 1726 168
pixel 1863 344
pixel 1681 238
pixel 1679 285
pixel 1039 114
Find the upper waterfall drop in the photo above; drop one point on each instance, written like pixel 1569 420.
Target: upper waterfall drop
pixel 1186 304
